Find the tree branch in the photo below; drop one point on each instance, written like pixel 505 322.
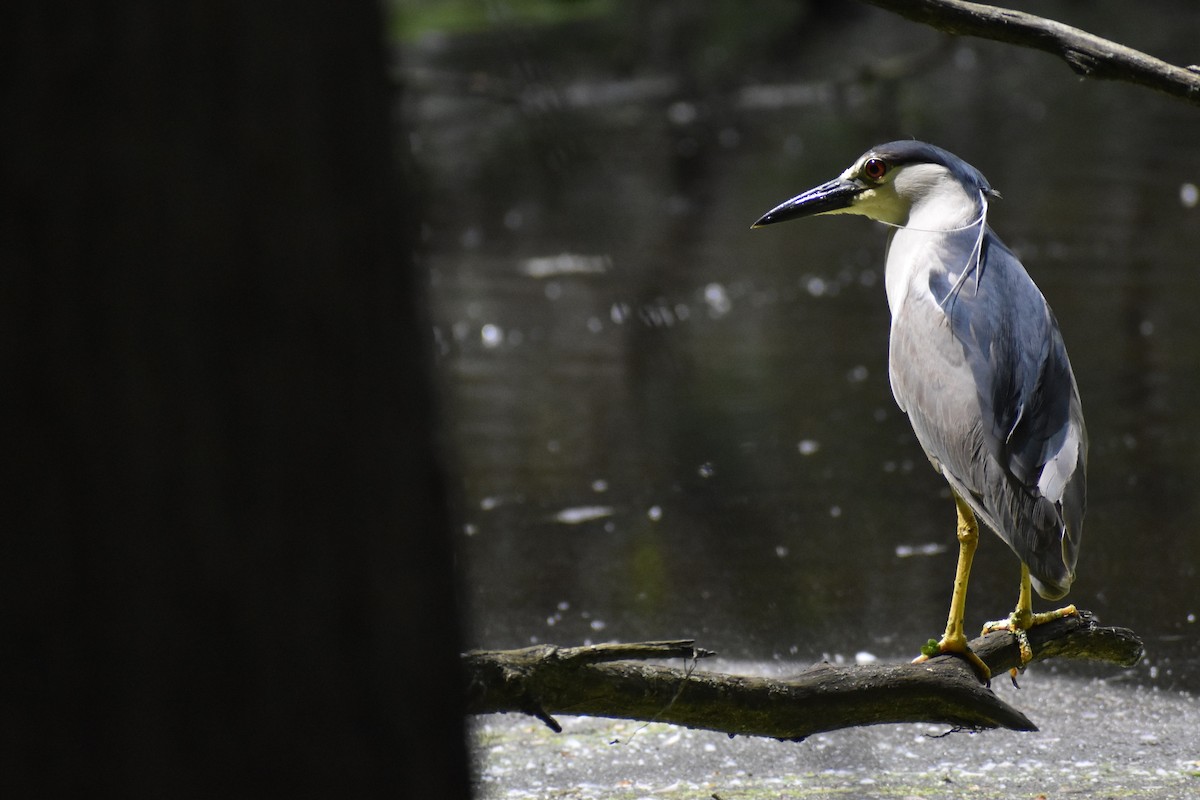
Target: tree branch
pixel 605 681
pixel 1087 54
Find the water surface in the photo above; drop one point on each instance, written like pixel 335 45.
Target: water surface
pixel 663 424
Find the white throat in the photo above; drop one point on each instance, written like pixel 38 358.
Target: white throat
pixel 943 216
pixel 938 200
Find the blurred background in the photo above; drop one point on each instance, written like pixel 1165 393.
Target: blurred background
pixel 662 424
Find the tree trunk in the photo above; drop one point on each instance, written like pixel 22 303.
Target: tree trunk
pixel 226 527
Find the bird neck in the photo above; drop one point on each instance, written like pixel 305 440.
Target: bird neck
pixel 948 207
pixel 932 248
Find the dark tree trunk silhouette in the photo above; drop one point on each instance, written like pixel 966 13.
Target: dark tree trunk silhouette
pixel 225 528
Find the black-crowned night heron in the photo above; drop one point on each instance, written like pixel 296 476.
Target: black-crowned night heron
pixel 978 364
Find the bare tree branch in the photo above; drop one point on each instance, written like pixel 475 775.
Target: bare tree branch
pixel 603 681
pixel 1087 54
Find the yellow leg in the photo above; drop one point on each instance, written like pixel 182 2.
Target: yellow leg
pixel 1023 618
pixel 954 640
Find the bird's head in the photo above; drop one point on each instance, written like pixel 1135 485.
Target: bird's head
pixel 900 183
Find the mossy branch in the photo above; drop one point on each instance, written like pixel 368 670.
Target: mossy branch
pixel 608 680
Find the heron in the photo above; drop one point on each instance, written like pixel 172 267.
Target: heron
pixel 978 364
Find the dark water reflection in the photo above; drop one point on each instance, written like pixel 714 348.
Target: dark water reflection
pixel 666 425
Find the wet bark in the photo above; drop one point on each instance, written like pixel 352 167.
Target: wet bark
pixel 1087 54
pixel 612 681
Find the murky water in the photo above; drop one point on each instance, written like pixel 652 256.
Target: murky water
pixel 1139 743
pixel 664 424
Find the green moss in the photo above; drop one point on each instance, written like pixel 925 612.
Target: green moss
pixel 413 18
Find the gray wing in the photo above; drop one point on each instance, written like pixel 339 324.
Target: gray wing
pixel 985 380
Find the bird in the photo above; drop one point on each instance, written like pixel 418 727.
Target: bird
pixel 977 362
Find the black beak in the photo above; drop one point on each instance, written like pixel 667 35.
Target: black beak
pixel 836 194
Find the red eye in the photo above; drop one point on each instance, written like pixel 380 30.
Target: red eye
pixel 875 168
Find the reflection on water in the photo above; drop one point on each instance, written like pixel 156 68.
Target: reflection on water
pixel 663 424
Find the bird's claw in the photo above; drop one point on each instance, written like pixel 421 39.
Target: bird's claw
pixel 1019 623
pixel 956 647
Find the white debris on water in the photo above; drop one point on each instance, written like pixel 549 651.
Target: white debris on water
pixel 910 550
pixel 717 300
pixel 491 336
pixel 816 286
pixel 1144 749
pixel 1189 195
pixel 580 514
pixel 565 264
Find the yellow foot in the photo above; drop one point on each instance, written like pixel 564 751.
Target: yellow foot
pixel 1019 622
pixel 956 646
